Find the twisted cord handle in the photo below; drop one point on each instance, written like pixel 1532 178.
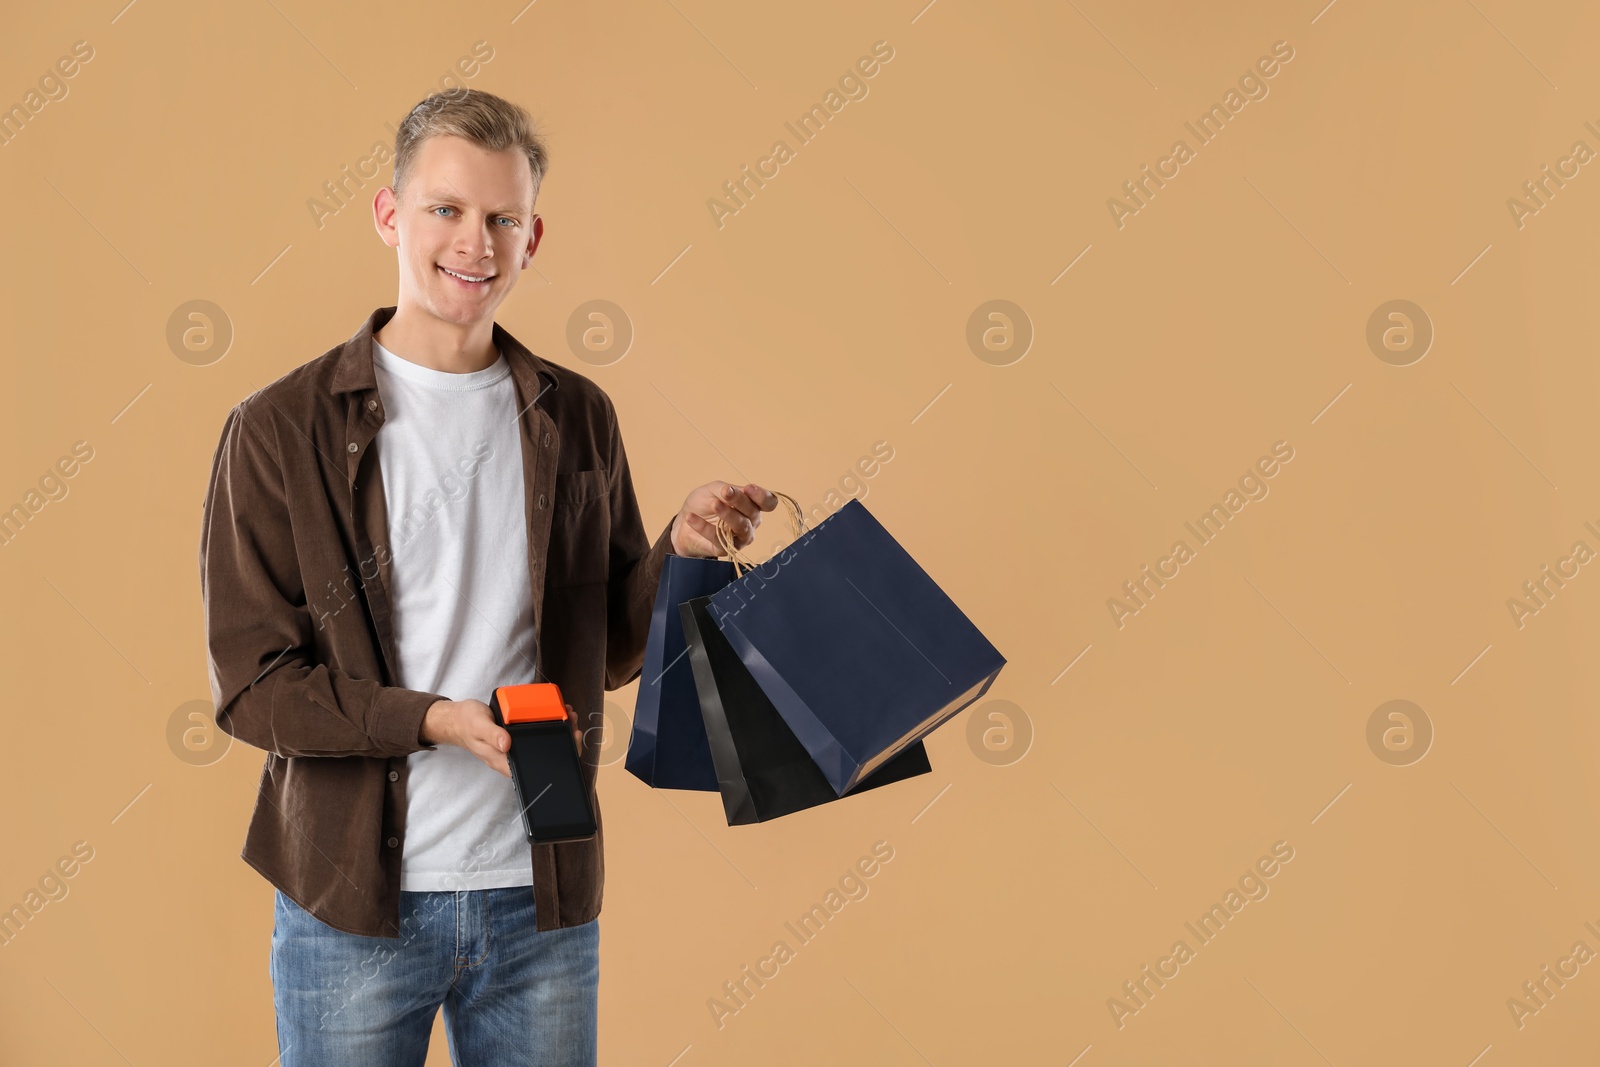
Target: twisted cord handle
pixel 742 562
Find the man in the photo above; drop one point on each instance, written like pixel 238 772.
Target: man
pixel 358 612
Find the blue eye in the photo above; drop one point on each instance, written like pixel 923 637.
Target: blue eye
pixel 441 207
pixel 503 218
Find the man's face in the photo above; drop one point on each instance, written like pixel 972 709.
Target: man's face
pixel 465 210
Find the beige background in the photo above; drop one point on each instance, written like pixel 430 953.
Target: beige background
pixel 828 314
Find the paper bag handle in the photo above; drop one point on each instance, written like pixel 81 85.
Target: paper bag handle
pixel 742 562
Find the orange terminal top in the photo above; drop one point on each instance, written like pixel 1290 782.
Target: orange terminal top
pixel 534 702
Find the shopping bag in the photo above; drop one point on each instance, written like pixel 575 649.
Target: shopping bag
pixel 762 769
pixel 668 748
pixel 856 646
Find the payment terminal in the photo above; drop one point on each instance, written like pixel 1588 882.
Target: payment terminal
pixel 544 762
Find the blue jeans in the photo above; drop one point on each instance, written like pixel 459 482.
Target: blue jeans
pixel 511 994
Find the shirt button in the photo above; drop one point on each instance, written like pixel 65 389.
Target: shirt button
pixel 353 446
pixel 541 501
pixel 372 405
pixel 393 841
pixel 394 776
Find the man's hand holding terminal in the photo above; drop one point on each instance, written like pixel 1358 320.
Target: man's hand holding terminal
pixel 470 724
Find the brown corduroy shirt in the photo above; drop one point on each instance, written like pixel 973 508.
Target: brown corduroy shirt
pixel 294 564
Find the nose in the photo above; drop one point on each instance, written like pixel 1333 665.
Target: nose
pixel 473 239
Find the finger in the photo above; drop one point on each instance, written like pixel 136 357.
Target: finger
pixel 702 536
pixel 740 536
pixel 765 499
pixel 738 498
pixel 493 749
pixel 735 520
pixel 494 759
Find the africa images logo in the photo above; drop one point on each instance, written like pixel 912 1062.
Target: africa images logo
pixel 1252 486
pixel 852 86
pixel 1207 128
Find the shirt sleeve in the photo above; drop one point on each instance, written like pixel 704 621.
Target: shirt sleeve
pixel 268 684
pixel 634 571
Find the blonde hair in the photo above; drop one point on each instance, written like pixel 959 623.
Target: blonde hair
pixel 482 118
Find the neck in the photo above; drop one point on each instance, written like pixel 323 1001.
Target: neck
pixel 445 346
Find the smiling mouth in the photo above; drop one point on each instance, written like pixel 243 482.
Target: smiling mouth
pixel 469 280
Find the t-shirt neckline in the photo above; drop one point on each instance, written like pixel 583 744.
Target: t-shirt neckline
pixel 440 379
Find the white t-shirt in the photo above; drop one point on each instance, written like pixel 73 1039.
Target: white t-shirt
pixel 451 456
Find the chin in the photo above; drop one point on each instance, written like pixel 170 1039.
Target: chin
pixel 460 313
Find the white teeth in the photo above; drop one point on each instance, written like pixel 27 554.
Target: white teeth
pixel 465 277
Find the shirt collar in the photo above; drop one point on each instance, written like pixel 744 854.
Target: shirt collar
pixel 355 373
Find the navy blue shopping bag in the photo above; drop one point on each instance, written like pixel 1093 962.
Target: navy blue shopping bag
pixel 668 748
pixel 856 646
pixel 763 770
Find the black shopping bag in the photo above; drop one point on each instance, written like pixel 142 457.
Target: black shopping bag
pixel 856 646
pixel 762 768
pixel 668 748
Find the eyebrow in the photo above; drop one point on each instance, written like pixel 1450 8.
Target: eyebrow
pixel 451 198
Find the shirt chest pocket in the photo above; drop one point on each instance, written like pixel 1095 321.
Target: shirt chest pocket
pixel 580 528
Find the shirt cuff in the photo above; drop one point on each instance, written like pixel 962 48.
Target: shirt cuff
pixel 395 720
pixel 666 539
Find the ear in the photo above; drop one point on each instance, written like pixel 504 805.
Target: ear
pixel 384 209
pixel 533 245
